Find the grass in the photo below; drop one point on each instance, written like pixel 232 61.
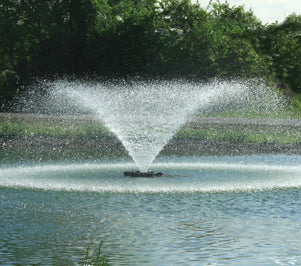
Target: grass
pixel 52 129
pixel 281 136
pixel 66 141
pixel 59 129
pixel 296 106
pixel 95 130
pixel 95 260
pixel 89 129
pixel 290 110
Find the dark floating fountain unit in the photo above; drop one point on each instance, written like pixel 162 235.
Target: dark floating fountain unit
pixel 142 174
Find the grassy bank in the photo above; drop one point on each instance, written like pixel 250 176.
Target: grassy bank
pixel 90 130
pixel 240 135
pixel 40 138
pixel 55 129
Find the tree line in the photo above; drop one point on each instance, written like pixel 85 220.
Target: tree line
pixel 169 38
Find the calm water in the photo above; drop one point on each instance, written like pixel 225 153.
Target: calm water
pixel 243 210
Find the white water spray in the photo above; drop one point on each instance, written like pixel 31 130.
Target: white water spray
pixel 145 115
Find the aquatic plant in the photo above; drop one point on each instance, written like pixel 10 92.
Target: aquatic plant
pixel 95 260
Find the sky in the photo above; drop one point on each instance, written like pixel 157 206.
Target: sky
pixel 268 11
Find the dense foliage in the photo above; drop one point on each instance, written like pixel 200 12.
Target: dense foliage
pixel 139 37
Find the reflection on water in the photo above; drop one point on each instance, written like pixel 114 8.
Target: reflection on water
pixel 51 225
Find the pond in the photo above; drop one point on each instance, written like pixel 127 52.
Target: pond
pixel 207 210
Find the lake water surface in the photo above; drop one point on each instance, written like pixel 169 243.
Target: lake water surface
pixel 242 210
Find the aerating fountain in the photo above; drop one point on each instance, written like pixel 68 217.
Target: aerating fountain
pixel 206 210
pixel 144 115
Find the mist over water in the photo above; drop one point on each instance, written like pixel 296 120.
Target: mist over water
pixel 144 115
pixel 181 174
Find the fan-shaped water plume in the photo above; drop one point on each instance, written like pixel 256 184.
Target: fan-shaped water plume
pixel 144 115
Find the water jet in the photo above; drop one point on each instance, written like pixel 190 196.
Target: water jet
pixel 145 115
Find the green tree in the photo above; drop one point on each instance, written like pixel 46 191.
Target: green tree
pixel 123 37
pixel 11 31
pixel 282 42
pixel 236 45
pixel 183 38
pixel 162 37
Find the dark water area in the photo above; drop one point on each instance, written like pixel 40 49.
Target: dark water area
pixel 233 210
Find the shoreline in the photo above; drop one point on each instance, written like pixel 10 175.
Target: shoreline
pixel 45 148
pixel 196 122
pixel 39 146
